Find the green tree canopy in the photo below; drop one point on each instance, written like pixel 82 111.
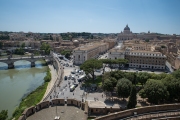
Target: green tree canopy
pixel 130 76
pixel 46 47
pixel 133 98
pixel 173 85
pixel 155 91
pixel 19 51
pixel 22 45
pixel 89 66
pixel 108 85
pixel 176 74
pixel 142 77
pixel 121 62
pixel 118 74
pixel 124 87
pixel 3 114
pixel 1 45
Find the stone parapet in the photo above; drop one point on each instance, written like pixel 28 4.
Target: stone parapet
pixel 130 112
pixel 42 105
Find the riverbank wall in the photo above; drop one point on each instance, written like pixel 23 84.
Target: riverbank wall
pixel 57 76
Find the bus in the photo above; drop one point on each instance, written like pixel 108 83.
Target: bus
pixel 72 88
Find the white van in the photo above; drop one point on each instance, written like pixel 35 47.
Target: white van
pixel 72 88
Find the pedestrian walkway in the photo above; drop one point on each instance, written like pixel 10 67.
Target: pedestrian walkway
pixel 53 80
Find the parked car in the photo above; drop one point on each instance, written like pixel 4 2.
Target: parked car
pixel 65 77
pixel 75 84
pixel 72 78
pixel 72 72
pixel 98 70
pixel 69 77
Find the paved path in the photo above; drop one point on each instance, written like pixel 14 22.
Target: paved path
pixel 53 79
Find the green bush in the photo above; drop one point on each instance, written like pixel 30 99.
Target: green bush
pixel 47 78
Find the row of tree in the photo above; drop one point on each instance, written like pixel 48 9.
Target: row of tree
pixel 156 87
pixel 91 65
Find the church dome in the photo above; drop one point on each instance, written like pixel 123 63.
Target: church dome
pixel 75 41
pixel 126 28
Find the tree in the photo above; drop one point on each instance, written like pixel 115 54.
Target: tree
pixel 133 98
pixel 1 45
pixel 105 62
pixel 121 62
pixel 108 86
pixel 113 81
pixel 155 91
pixel 51 38
pixel 142 77
pixel 130 76
pixel 22 45
pixel 67 55
pixel 142 94
pixel 3 114
pixel 118 74
pixel 46 48
pixel 176 74
pixel 173 85
pixel 19 51
pixel 90 66
pixel 124 87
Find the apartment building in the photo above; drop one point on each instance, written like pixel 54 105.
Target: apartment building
pixel 146 59
pixel 139 55
pixel 90 50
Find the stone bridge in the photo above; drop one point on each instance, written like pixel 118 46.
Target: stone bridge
pixel 10 61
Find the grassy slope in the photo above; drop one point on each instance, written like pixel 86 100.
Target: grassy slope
pixel 32 99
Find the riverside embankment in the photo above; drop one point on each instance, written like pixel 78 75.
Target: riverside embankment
pixel 17 83
pixel 44 90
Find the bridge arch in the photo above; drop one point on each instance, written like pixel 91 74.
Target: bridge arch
pixel 4 65
pixel 22 63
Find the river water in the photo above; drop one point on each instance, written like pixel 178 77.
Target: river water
pixel 18 82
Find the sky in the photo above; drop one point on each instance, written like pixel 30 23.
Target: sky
pixel 95 16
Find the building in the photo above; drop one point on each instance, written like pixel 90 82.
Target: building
pixel 126 34
pixel 146 59
pixel 129 35
pixel 139 55
pixel 90 50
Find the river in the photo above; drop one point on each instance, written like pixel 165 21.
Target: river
pixel 18 82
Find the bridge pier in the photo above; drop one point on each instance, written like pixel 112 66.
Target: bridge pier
pixel 32 64
pixel 11 65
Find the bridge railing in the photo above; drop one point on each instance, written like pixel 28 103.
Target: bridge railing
pixel 21 57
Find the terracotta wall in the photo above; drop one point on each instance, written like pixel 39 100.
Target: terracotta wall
pixel 147 109
pixel 42 105
pixel 58 102
pixel 29 111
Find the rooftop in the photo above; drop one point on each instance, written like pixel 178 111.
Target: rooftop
pixel 90 46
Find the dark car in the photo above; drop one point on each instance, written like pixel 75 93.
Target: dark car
pixel 75 84
pixel 65 77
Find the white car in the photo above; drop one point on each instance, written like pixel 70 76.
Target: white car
pixel 72 78
pixel 98 70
